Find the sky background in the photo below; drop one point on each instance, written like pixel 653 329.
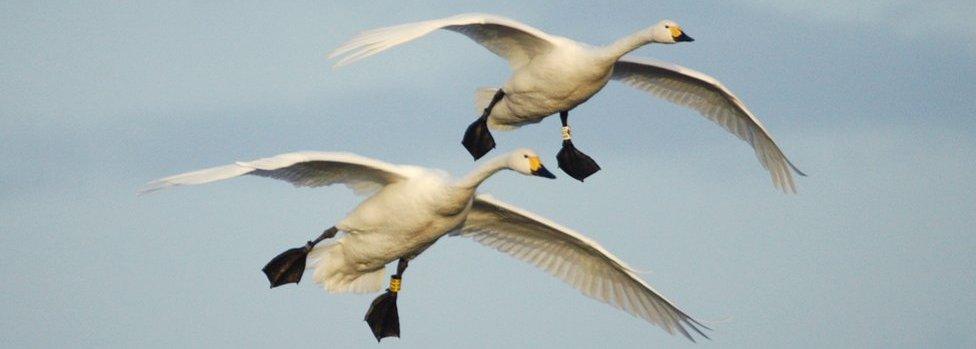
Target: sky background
pixel 873 99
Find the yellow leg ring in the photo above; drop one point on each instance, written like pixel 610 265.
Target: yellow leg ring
pixel 394 285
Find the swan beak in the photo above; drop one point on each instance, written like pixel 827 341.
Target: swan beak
pixel 679 35
pixel 536 168
pixel 683 37
pixel 543 172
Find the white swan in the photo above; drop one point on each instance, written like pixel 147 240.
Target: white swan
pixel 411 208
pixel 553 74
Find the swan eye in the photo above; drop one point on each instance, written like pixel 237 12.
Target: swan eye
pixel 525 156
pixel 667 27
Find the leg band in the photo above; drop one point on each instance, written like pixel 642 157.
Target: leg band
pixel 394 284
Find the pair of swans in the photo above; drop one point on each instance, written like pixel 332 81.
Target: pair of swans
pixel 412 207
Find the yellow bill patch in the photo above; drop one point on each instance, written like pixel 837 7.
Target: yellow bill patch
pixel 534 163
pixel 675 31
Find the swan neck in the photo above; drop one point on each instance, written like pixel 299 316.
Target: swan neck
pixel 629 43
pixel 481 173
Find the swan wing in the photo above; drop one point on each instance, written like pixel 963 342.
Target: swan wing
pixel 575 259
pixel 510 39
pixel 709 97
pixel 303 169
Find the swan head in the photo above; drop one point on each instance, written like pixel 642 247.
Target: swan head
pixel 669 32
pixel 526 161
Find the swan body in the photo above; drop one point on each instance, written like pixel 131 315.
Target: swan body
pixel 551 83
pixel 409 208
pixel 402 219
pixel 553 74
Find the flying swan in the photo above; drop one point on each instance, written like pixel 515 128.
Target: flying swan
pixel 553 74
pixel 412 207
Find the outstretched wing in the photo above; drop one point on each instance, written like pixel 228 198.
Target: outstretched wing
pixel 512 40
pixel 303 169
pixel 709 97
pixel 575 259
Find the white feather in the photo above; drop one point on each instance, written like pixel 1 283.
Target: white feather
pixel 573 258
pixel 511 40
pixel 709 97
pixel 302 169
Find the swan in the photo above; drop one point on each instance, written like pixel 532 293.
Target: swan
pixel 410 208
pixel 553 74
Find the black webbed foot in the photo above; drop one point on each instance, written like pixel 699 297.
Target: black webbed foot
pixel 575 163
pixel 382 316
pixel 477 139
pixel 288 266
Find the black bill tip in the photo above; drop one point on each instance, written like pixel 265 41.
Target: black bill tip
pixel 543 172
pixel 684 37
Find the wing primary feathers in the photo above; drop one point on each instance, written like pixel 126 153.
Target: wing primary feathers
pixel 573 258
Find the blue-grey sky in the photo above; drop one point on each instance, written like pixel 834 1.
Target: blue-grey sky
pixel 873 99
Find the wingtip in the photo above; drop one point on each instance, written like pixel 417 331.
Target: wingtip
pixel 694 325
pixel 338 54
pixel 152 187
pixel 344 61
pixel 795 169
pixel 333 55
pixel 146 190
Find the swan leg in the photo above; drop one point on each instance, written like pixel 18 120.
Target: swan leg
pixel 572 161
pixel 477 140
pixel 288 266
pixel 382 316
